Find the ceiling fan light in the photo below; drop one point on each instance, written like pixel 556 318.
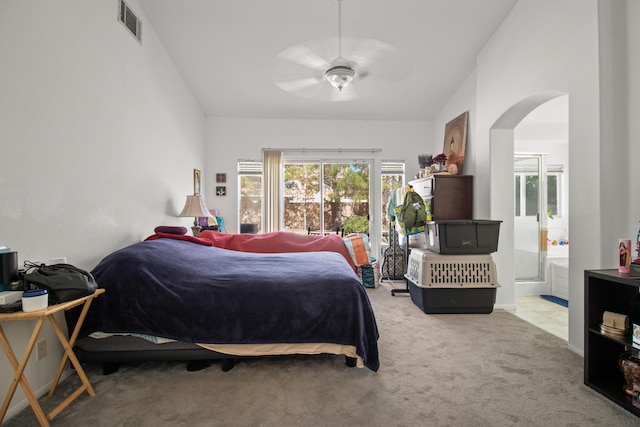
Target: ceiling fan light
pixel 340 76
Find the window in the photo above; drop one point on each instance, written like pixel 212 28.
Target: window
pixel 553 193
pixel 392 178
pixel 326 197
pixel 526 192
pixel 302 197
pixel 343 200
pixel 250 185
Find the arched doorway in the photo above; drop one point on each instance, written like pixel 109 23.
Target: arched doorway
pixel 505 142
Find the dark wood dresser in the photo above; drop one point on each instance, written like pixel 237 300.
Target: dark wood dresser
pixel 449 196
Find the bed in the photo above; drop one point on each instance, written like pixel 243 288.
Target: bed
pixel 216 302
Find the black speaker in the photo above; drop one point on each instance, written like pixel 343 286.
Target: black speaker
pixel 8 269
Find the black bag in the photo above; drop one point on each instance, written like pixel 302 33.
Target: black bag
pixel 393 262
pixel 64 282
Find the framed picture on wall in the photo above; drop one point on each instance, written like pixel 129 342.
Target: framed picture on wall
pixel 221 191
pixel 221 178
pixel 455 143
pixel 196 182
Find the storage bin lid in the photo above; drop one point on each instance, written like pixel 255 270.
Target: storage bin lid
pixel 34 293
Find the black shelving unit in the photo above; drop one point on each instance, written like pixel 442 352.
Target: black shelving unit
pixel 607 290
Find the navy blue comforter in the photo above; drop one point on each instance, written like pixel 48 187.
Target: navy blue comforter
pixel 201 294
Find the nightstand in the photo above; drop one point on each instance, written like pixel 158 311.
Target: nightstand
pixel 19 378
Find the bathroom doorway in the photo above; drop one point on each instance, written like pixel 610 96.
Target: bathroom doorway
pixel 541 211
pixel 524 123
pixel 541 216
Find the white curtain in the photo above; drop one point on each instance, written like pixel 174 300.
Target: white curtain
pixel 272 165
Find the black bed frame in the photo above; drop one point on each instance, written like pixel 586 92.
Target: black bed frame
pixel 114 350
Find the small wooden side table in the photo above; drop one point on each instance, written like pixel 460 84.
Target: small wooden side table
pixel 39 316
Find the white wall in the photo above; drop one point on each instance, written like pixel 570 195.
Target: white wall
pixel 632 122
pixel 543 49
pixel 614 95
pixel 232 139
pixel 463 100
pixel 99 136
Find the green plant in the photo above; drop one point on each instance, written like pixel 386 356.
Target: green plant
pixel 356 224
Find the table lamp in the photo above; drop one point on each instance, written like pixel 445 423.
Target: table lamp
pixel 195 207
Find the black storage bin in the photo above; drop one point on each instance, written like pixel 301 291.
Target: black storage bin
pixel 8 269
pixel 463 237
pixel 453 300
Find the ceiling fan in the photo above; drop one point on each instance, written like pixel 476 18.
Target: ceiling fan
pixel 307 69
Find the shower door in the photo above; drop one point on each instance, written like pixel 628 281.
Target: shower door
pixel 530 224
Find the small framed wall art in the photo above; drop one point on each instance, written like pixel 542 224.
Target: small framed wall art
pixel 221 190
pixel 196 182
pixel 221 178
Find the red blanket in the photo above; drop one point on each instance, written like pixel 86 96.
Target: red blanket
pixel 278 242
pixel 198 240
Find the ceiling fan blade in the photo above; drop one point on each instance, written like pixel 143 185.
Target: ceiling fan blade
pixel 381 75
pixel 298 84
pixel 304 56
pixel 365 52
pixel 301 69
pixel 321 91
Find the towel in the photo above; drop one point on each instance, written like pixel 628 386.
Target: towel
pixel 358 247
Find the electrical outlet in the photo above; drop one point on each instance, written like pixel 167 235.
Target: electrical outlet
pixel 41 349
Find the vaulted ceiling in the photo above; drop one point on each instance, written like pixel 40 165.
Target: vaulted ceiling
pixel 228 53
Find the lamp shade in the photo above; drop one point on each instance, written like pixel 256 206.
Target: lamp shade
pixel 195 207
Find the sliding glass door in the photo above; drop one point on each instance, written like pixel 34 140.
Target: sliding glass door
pixel 302 201
pixel 326 197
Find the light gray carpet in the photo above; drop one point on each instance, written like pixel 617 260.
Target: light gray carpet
pixel 436 370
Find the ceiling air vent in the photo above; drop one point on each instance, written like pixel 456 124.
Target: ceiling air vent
pixel 130 20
